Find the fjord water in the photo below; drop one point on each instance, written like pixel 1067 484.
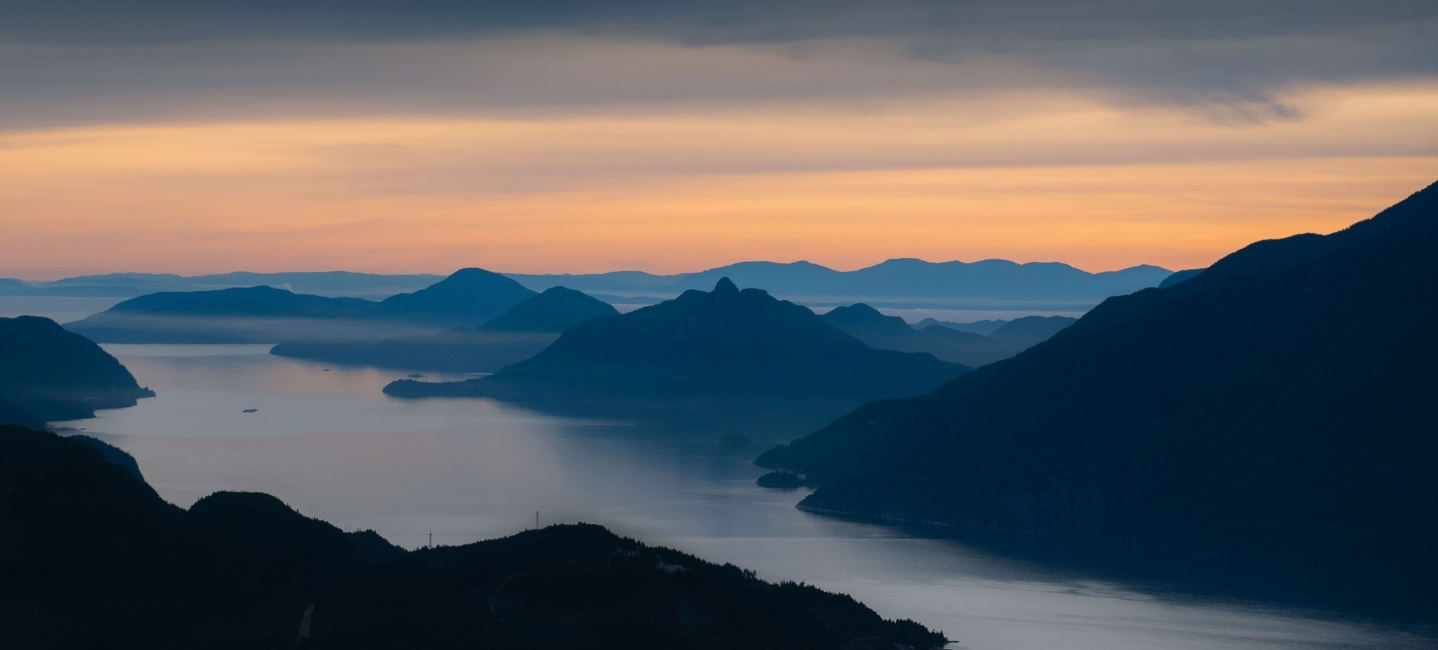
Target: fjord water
pixel 326 441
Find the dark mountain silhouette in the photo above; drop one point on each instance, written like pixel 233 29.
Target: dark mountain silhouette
pixel 1281 402
pixel 47 373
pixel 467 298
pixel 893 333
pixel 555 310
pixel 90 557
pixel 518 334
pixel 698 348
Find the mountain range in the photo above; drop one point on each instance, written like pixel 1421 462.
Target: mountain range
pixel 698 348
pixel 900 283
pixel 968 348
pixel 263 314
pixel 1280 402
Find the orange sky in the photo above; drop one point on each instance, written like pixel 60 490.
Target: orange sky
pixel 1027 174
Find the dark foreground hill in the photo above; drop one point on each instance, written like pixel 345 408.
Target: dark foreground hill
pixel 695 353
pixel 893 333
pixel 91 557
pixel 1281 402
pixel 47 373
pixel 514 336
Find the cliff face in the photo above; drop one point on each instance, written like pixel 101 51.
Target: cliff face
pixel 48 373
pixel 1281 405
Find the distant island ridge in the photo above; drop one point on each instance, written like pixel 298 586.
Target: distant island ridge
pixel 263 314
pixel 996 285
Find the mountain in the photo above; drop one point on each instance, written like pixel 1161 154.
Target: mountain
pixel 1032 330
pixel 47 373
pixel 1278 403
pixel 555 310
pixel 467 298
pixel 13 287
pixel 92 557
pixel 893 333
pixel 701 347
pixel 984 327
pixel 518 334
pixel 1178 276
pixel 898 283
pixel 129 285
pixel 240 315
pixel 265 314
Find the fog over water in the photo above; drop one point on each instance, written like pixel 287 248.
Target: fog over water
pixel 327 442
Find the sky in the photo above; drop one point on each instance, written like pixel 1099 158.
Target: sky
pixel 193 136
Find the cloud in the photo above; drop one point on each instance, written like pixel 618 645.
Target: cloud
pixel 93 60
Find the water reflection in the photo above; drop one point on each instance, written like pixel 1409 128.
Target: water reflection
pixel 328 443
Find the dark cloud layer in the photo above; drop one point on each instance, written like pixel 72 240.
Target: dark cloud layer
pixel 1239 55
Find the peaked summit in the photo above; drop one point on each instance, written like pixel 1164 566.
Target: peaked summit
pixel 722 342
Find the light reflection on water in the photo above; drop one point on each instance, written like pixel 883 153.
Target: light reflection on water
pixel 325 440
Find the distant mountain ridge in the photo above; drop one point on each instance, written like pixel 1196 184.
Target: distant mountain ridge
pixel 897 283
pixel 971 349
pixel 47 373
pixel 263 314
pixel 555 310
pixel 467 298
pixel 1279 402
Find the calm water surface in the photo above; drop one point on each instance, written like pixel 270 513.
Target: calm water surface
pixel 326 441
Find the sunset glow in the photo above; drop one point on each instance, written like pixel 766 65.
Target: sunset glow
pixel 920 158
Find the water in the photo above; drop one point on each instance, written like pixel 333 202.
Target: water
pixel 326 441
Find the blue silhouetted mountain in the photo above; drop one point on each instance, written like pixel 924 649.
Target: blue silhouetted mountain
pixel 240 315
pixel 129 285
pixel 555 310
pixel 518 334
pixel 92 557
pixel 1032 330
pixel 1280 402
pixel 467 298
pixel 893 333
pixel 264 314
pixel 899 283
pixel 984 327
pixel 703 346
pixel 13 287
pixel 1178 276
pixel 47 373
